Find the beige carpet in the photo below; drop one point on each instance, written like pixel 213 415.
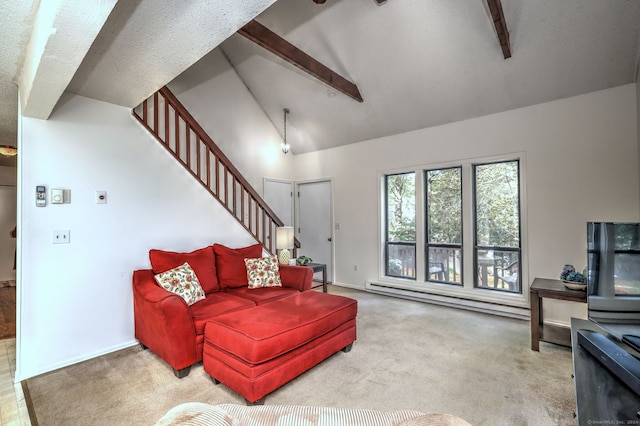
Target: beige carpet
pixel 409 355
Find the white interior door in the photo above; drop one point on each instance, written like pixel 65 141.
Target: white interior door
pixel 279 197
pixel 315 230
pixel 8 206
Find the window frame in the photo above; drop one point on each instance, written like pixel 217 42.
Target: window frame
pixel 510 304
pixel 427 244
pixel 388 243
pixel 477 247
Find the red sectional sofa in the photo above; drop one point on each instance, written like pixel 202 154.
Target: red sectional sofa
pixel 257 350
pixel 174 330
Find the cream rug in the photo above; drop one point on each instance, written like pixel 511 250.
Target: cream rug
pixel 409 355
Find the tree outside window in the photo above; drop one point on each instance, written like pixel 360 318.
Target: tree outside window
pixel 400 253
pixel 444 225
pixel 497 226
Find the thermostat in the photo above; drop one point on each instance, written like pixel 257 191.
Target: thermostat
pixel 57 196
pixel 41 196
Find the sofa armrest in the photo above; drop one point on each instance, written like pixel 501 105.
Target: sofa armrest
pixel 298 277
pixel 163 322
pixel 195 414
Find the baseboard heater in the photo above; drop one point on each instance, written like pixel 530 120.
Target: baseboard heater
pixel 451 301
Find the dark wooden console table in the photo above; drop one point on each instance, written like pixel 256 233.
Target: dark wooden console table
pixel 551 289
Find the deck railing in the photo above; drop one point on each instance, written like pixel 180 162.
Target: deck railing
pixel 174 127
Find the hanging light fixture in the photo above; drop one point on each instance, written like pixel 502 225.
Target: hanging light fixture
pixel 8 151
pixel 285 144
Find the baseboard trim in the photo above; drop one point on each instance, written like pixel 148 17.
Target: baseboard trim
pixel 31 411
pixel 455 302
pixel 19 377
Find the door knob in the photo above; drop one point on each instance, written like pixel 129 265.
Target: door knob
pixel 329 239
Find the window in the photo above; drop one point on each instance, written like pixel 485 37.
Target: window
pixel 496 194
pixel 468 228
pixel 400 224
pixel 444 225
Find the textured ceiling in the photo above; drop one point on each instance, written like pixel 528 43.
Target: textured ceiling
pixel 423 63
pixel 16 18
pixel 147 43
pixel 117 51
pixel 417 63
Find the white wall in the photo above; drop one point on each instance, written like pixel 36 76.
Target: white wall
pixel 74 300
pixel 581 164
pixel 215 95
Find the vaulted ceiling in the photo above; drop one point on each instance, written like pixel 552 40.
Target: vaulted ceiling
pixel 415 63
pixel 424 63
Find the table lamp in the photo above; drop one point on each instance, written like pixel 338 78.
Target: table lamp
pixel 284 241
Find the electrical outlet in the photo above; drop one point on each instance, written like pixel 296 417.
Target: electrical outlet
pixel 61 236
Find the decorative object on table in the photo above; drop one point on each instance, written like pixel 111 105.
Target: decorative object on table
pixel 573 280
pixel 284 242
pixel 566 270
pixel 303 260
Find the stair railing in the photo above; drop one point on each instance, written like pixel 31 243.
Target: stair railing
pixel 164 116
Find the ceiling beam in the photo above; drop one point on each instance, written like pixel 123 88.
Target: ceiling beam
pixel 58 44
pixel 266 38
pixel 497 16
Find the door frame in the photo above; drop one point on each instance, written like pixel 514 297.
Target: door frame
pixel 10 274
pixel 331 270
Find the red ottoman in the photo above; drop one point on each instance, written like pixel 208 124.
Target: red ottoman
pixel 257 350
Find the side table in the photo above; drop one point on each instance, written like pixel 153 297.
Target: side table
pixel 551 289
pixel 320 267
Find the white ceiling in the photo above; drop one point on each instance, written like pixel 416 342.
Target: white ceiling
pixel 417 63
pixel 422 63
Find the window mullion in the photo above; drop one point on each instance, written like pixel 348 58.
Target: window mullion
pixel 467 226
pixel 420 226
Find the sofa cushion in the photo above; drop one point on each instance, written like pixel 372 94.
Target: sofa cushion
pixel 272 329
pixel 342 336
pixel 263 272
pixel 202 261
pixel 264 294
pixel 435 420
pixel 183 282
pixel 232 272
pixel 214 305
pixel 198 413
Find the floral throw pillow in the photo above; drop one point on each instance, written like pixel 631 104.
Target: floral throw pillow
pixel 263 272
pixel 182 281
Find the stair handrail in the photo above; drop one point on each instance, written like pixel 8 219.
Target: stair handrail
pixel 181 112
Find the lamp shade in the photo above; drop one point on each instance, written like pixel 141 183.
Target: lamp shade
pixel 284 237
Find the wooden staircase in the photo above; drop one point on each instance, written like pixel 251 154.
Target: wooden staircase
pixel 174 127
